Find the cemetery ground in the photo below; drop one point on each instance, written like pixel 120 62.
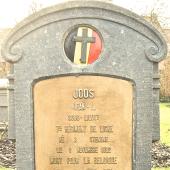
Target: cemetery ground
pixel 165 135
pixel 165 124
pixel 160 152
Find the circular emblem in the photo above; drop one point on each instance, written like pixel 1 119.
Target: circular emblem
pixel 83 45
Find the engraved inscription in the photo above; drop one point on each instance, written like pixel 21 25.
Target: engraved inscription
pixel 83 93
pixel 83 123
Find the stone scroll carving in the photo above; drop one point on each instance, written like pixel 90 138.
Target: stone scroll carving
pixel 13 53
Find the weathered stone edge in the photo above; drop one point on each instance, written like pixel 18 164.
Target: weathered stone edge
pixel 12 54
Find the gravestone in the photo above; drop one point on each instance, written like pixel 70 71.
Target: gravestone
pixel 3 100
pixel 83 80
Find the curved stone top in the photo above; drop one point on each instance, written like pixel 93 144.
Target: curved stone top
pixel 122 16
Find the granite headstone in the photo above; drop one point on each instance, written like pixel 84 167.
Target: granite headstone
pixel 84 77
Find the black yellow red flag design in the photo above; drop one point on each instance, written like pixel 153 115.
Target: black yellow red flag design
pixel 83 45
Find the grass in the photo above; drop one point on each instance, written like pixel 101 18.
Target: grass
pixel 160 168
pixel 164 127
pixel 165 123
pixel 1 168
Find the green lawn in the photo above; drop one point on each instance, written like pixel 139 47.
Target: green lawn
pixel 160 168
pixel 165 123
pixel 165 126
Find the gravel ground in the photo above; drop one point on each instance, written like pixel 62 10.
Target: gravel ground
pixel 7 153
pixel 160 154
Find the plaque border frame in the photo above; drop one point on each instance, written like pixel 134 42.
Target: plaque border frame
pixel 100 75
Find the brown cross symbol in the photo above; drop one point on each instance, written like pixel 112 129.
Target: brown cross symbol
pixel 84 40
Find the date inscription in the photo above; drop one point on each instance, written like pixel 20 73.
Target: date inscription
pixel 83 123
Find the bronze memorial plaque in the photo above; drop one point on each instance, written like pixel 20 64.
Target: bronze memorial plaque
pixel 83 123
